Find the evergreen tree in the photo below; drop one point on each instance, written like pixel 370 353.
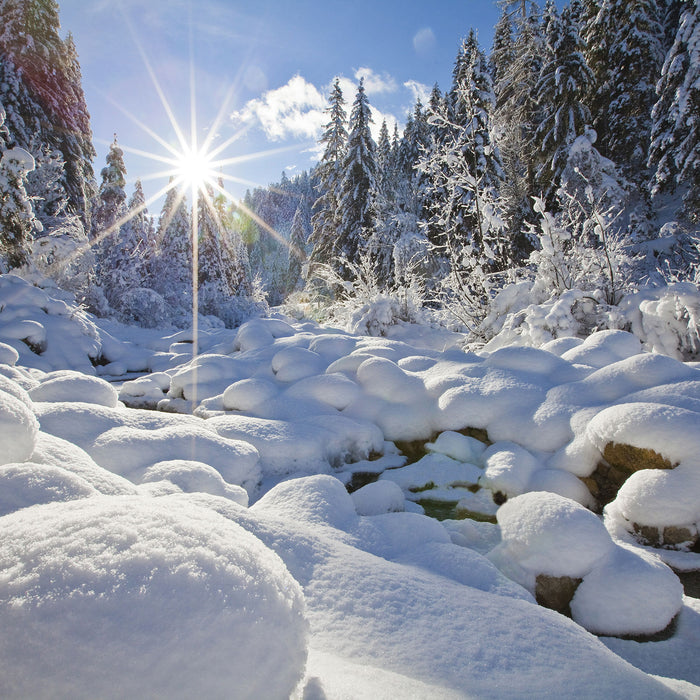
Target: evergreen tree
pixel 172 269
pixel 297 247
pixel 624 40
pixel 674 154
pixel 563 85
pixel 17 219
pixel 358 183
pixel 463 173
pixel 329 173
pixel 109 206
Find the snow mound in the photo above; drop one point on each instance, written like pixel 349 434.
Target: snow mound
pixel 28 483
pixel 604 348
pixel 433 470
pixel 47 333
pixel 378 497
pixel 19 429
pixel 204 377
pixel 130 451
pixel 12 387
pixel 8 354
pixel 628 593
pixel 192 477
pixel 294 363
pixel 124 580
pixel 69 385
pixel 509 468
pixel 672 432
pixel 318 500
pixel 61 453
pixel 457 446
pixel 335 390
pixel 547 534
pixel 383 378
pixel 247 394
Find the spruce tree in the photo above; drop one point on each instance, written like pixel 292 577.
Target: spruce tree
pixel 297 247
pixel 357 184
pixel 563 86
pixel 674 155
pixel 624 40
pixel 329 173
pixel 109 206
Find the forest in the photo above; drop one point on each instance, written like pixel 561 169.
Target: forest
pixel 560 169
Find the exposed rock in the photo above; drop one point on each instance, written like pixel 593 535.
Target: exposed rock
pixel 556 592
pixel 671 537
pixel 477 433
pixel 620 462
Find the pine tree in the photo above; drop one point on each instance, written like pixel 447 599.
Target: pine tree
pixel 674 154
pixel 297 247
pixel 329 174
pixel 624 40
pixel 358 183
pixel 463 173
pixel 172 270
pixel 563 85
pixel 109 206
pixel 17 220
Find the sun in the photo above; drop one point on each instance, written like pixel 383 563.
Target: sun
pixel 195 168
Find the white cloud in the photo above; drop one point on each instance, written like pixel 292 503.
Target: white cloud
pixel 424 41
pixel 419 91
pixel 375 83
pixel 295 109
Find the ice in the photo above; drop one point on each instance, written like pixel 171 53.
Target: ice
pixel 69 385
pixel 28 483
pixel 548 534
pixel 18 429
pixel 130 451
pixel 378 497
pixel 192 476
pixel 93 593
pixel 628 593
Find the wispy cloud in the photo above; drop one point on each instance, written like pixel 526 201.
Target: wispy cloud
pixel 419 91
pixel 296 109
pixel 374 82
pixel 424 41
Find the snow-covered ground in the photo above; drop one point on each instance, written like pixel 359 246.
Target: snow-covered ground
pixel 212 547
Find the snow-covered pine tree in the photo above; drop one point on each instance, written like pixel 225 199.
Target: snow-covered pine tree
pixel 562 87
pixel 624 49
pixel 109 206
pixel 357 184
pixel 211 276
pixel 297 247
pixel 674 154
pixel 17 220
pixel 55 115
pixel 329 173
pixel 463 174
pixel 172 269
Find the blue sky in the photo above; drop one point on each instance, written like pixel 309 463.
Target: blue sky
pixel 275 59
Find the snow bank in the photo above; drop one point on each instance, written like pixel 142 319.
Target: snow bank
pixel 19 429
pixel 181 603
pixel 378 497
pixel 69 385
pixel 629 593
pixel 546 533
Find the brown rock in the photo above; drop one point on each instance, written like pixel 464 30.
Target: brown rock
pixel 627 459
pixel 556 592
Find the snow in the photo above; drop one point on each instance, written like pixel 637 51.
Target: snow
pixel 548 534
pixel 69 385
pixel 174 517
pixel 629 593
pixel 378 497
pixel 113 577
